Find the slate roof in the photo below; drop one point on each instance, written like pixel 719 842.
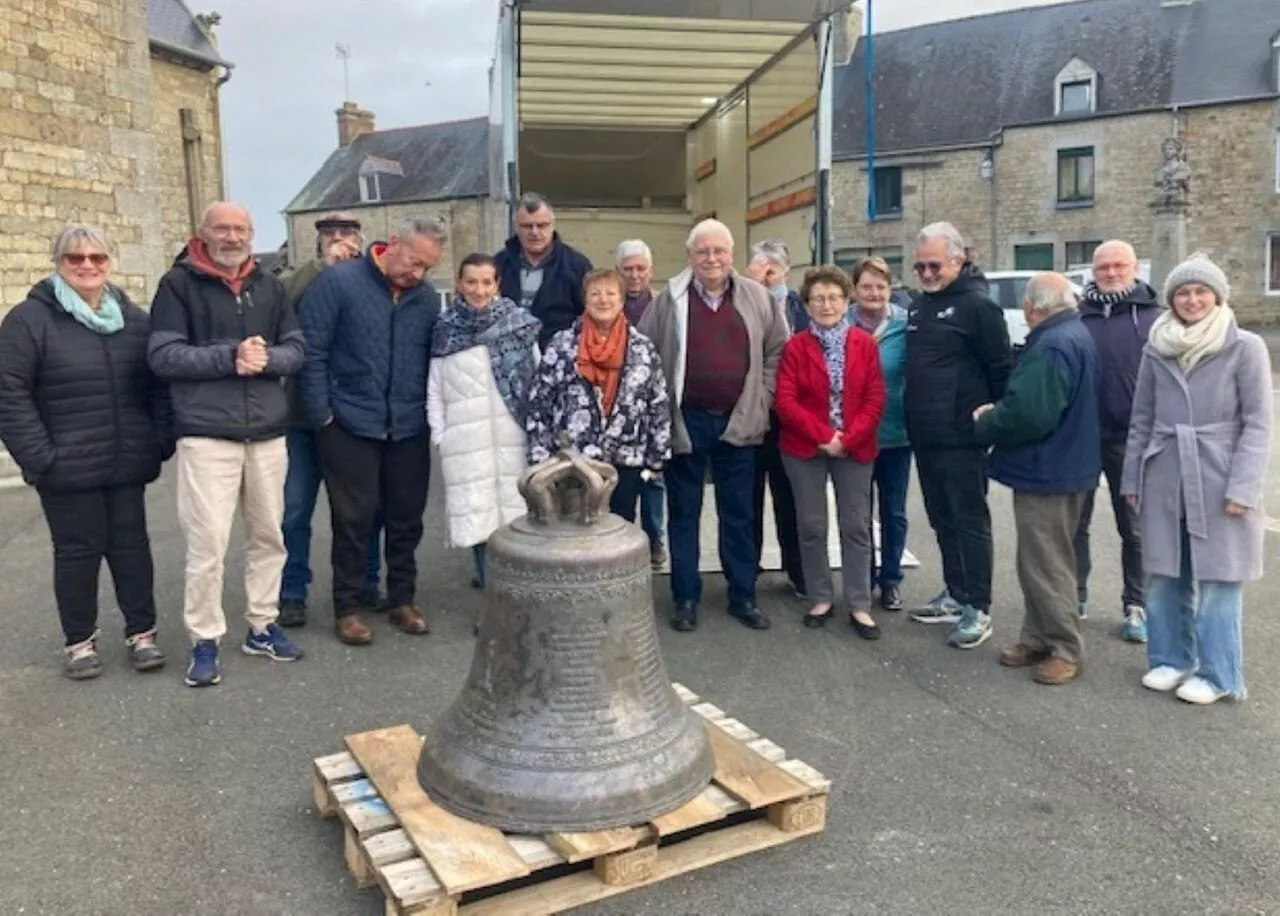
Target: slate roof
pixel 171 22
pixel 440 162
pixel 956 83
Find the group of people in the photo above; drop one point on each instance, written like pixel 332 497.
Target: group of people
pixel 351 374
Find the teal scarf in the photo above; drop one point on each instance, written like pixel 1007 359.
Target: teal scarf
pixel 108 318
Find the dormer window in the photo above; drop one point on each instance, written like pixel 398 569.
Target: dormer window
pixel 377 177
pixel 370 189
pixel 1075 90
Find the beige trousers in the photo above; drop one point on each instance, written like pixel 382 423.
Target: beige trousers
pixel 214 475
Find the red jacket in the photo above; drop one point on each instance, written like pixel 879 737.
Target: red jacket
pixel 803 402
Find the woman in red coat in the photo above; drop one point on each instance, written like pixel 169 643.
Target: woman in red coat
pixel 829 401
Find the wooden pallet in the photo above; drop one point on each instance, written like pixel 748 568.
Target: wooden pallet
pixel 429 862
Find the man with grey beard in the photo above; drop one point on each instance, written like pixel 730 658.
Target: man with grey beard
pixel 223 336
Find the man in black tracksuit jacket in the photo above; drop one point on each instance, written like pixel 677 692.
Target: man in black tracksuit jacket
pixel 958 357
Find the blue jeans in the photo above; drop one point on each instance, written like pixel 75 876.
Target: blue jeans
pixel 733 470
pixel 477 556
pixel 889 482
pixel 1194 624
pixel 301 489
pixel 652 497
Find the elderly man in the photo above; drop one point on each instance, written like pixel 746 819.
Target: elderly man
pixel 720 337
pixel 338 239
pixel 1045 433
pixel 958 357
pixel 1118 309
pixel 223 336
pixel 368 324
pixel 770 266
pixel 539 271
pixel 634 261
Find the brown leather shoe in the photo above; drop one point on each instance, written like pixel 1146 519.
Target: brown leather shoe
pixel 1020 656
pixel 408 619
pixel 1056 670
pixel 352 631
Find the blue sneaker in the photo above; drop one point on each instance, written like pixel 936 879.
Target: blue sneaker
pixel 1135 624
pixel 973 629
pixel 942 608
pixel 202 664
pixel 272 643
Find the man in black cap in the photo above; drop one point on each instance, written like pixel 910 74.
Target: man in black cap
pixel 338 238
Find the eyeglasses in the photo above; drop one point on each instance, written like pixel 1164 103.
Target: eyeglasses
pixel 97 259
pixel 928 267
pixel 834 299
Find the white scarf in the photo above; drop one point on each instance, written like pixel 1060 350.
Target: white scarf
pixel 1191 343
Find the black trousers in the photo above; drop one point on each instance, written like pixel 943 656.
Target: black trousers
pixel 360 474
pixel 769 470
pixel 625 494
pixel 88 526
pixel 953 482
pixel 1135 583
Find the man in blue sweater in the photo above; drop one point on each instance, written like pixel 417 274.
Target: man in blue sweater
pixel 1045 433
pixel 368 324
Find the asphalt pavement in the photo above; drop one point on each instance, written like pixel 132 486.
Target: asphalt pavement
pixel 958 786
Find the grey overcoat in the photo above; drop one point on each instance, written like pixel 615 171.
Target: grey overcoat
pixel 1196 442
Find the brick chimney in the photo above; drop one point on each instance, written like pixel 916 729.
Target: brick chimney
pixel 352 122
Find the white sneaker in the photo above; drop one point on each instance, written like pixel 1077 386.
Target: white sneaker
pixel 1200 692
pixel 1164 678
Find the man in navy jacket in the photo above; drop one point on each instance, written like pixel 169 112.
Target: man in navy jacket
pixel 368 324
pixel 539 271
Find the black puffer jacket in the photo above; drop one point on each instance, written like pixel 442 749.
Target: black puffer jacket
pixel 78 409
pixel 958 357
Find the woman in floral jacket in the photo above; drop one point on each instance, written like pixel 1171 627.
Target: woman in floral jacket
pixel 601 384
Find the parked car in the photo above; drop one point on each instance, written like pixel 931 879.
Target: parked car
pixel 1007 288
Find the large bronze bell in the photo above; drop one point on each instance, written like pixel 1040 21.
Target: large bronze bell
pixel 567 721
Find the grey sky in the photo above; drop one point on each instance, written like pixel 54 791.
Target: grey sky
pixel 412 62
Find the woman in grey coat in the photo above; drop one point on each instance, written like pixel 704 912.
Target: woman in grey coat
pixel 1196 459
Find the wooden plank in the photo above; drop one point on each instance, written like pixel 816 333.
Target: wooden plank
pixel 463 855
pixel 708 711
pixel 783 122
pixel 780 205
pixel 337 767
pixel 322 797
pixel 357 790
pixel 368 817
pixel 534 851
pixel 562 894
pixel 630 867
pixel 705 170
pixel 357 863
pixel 801 815
pixel 578 847
pixel 687 696
pixel 737 731
pixel 714 804
pixel 767 749
pixel 410 883
pixel 749 777
pixel 806 774
pixel 388 848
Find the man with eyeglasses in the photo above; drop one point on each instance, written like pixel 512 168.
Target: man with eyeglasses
pixel 539 271
pixel 368 324
pixel 958 358
pixel 720 337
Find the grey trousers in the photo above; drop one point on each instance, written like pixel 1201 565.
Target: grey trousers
pixel 808 477
pixel 1046 525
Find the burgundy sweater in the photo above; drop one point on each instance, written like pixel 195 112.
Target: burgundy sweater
pixel 717 355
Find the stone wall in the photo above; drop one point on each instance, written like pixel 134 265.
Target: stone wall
pixel 175 86
pixel 76 139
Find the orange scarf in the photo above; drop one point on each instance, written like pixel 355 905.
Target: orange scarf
pixel 600 358
pixel 235 278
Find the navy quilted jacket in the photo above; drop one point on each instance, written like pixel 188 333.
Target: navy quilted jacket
pixel 367 353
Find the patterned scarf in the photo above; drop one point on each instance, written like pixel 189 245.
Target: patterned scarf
pixel 107 318
pixel 832 341
pixel 510 333
pixel 600 358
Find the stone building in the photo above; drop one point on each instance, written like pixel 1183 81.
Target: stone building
pixel 108 115
pixel 1038 132
pixel 387 176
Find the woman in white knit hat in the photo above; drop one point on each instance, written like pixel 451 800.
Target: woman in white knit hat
pixel 1199 441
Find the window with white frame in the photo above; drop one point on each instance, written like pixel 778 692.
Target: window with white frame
pixel 1075 90
pixel 1273 264
pixel 1278 162
pixel 370 188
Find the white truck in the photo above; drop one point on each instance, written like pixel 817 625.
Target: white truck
pixel 635 119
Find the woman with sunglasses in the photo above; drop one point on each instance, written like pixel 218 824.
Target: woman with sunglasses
pixel 89 425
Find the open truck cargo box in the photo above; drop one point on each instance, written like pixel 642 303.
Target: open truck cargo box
pixel 638 118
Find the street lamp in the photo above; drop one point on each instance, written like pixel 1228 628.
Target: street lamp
pixel 987 168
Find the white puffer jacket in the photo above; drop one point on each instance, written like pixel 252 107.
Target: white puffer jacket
pixel 482 448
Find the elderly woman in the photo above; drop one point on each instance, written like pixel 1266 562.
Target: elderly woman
pixel 830 400
pixel 601 384
pixel 1195 465
pixel 483 358
pixel 82 415
pixel 874 312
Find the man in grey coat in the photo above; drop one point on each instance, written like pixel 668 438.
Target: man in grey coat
pixel 720 338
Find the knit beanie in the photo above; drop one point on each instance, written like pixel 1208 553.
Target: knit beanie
pixel 1197 269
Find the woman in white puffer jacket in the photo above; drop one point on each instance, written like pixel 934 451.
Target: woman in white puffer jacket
pixel 483 358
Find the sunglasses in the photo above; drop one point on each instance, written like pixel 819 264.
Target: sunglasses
pixel 928 267
pixel 97 259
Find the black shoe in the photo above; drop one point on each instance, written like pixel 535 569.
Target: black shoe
pixel 293 613
pixel 866 632
pixel 816 621
pixel 891 597
pixel 750 615
pixel 685 618
pixel 476 583
pixel 799 589
pixel 373 601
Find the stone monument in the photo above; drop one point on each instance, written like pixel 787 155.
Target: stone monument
pixel 1170 206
